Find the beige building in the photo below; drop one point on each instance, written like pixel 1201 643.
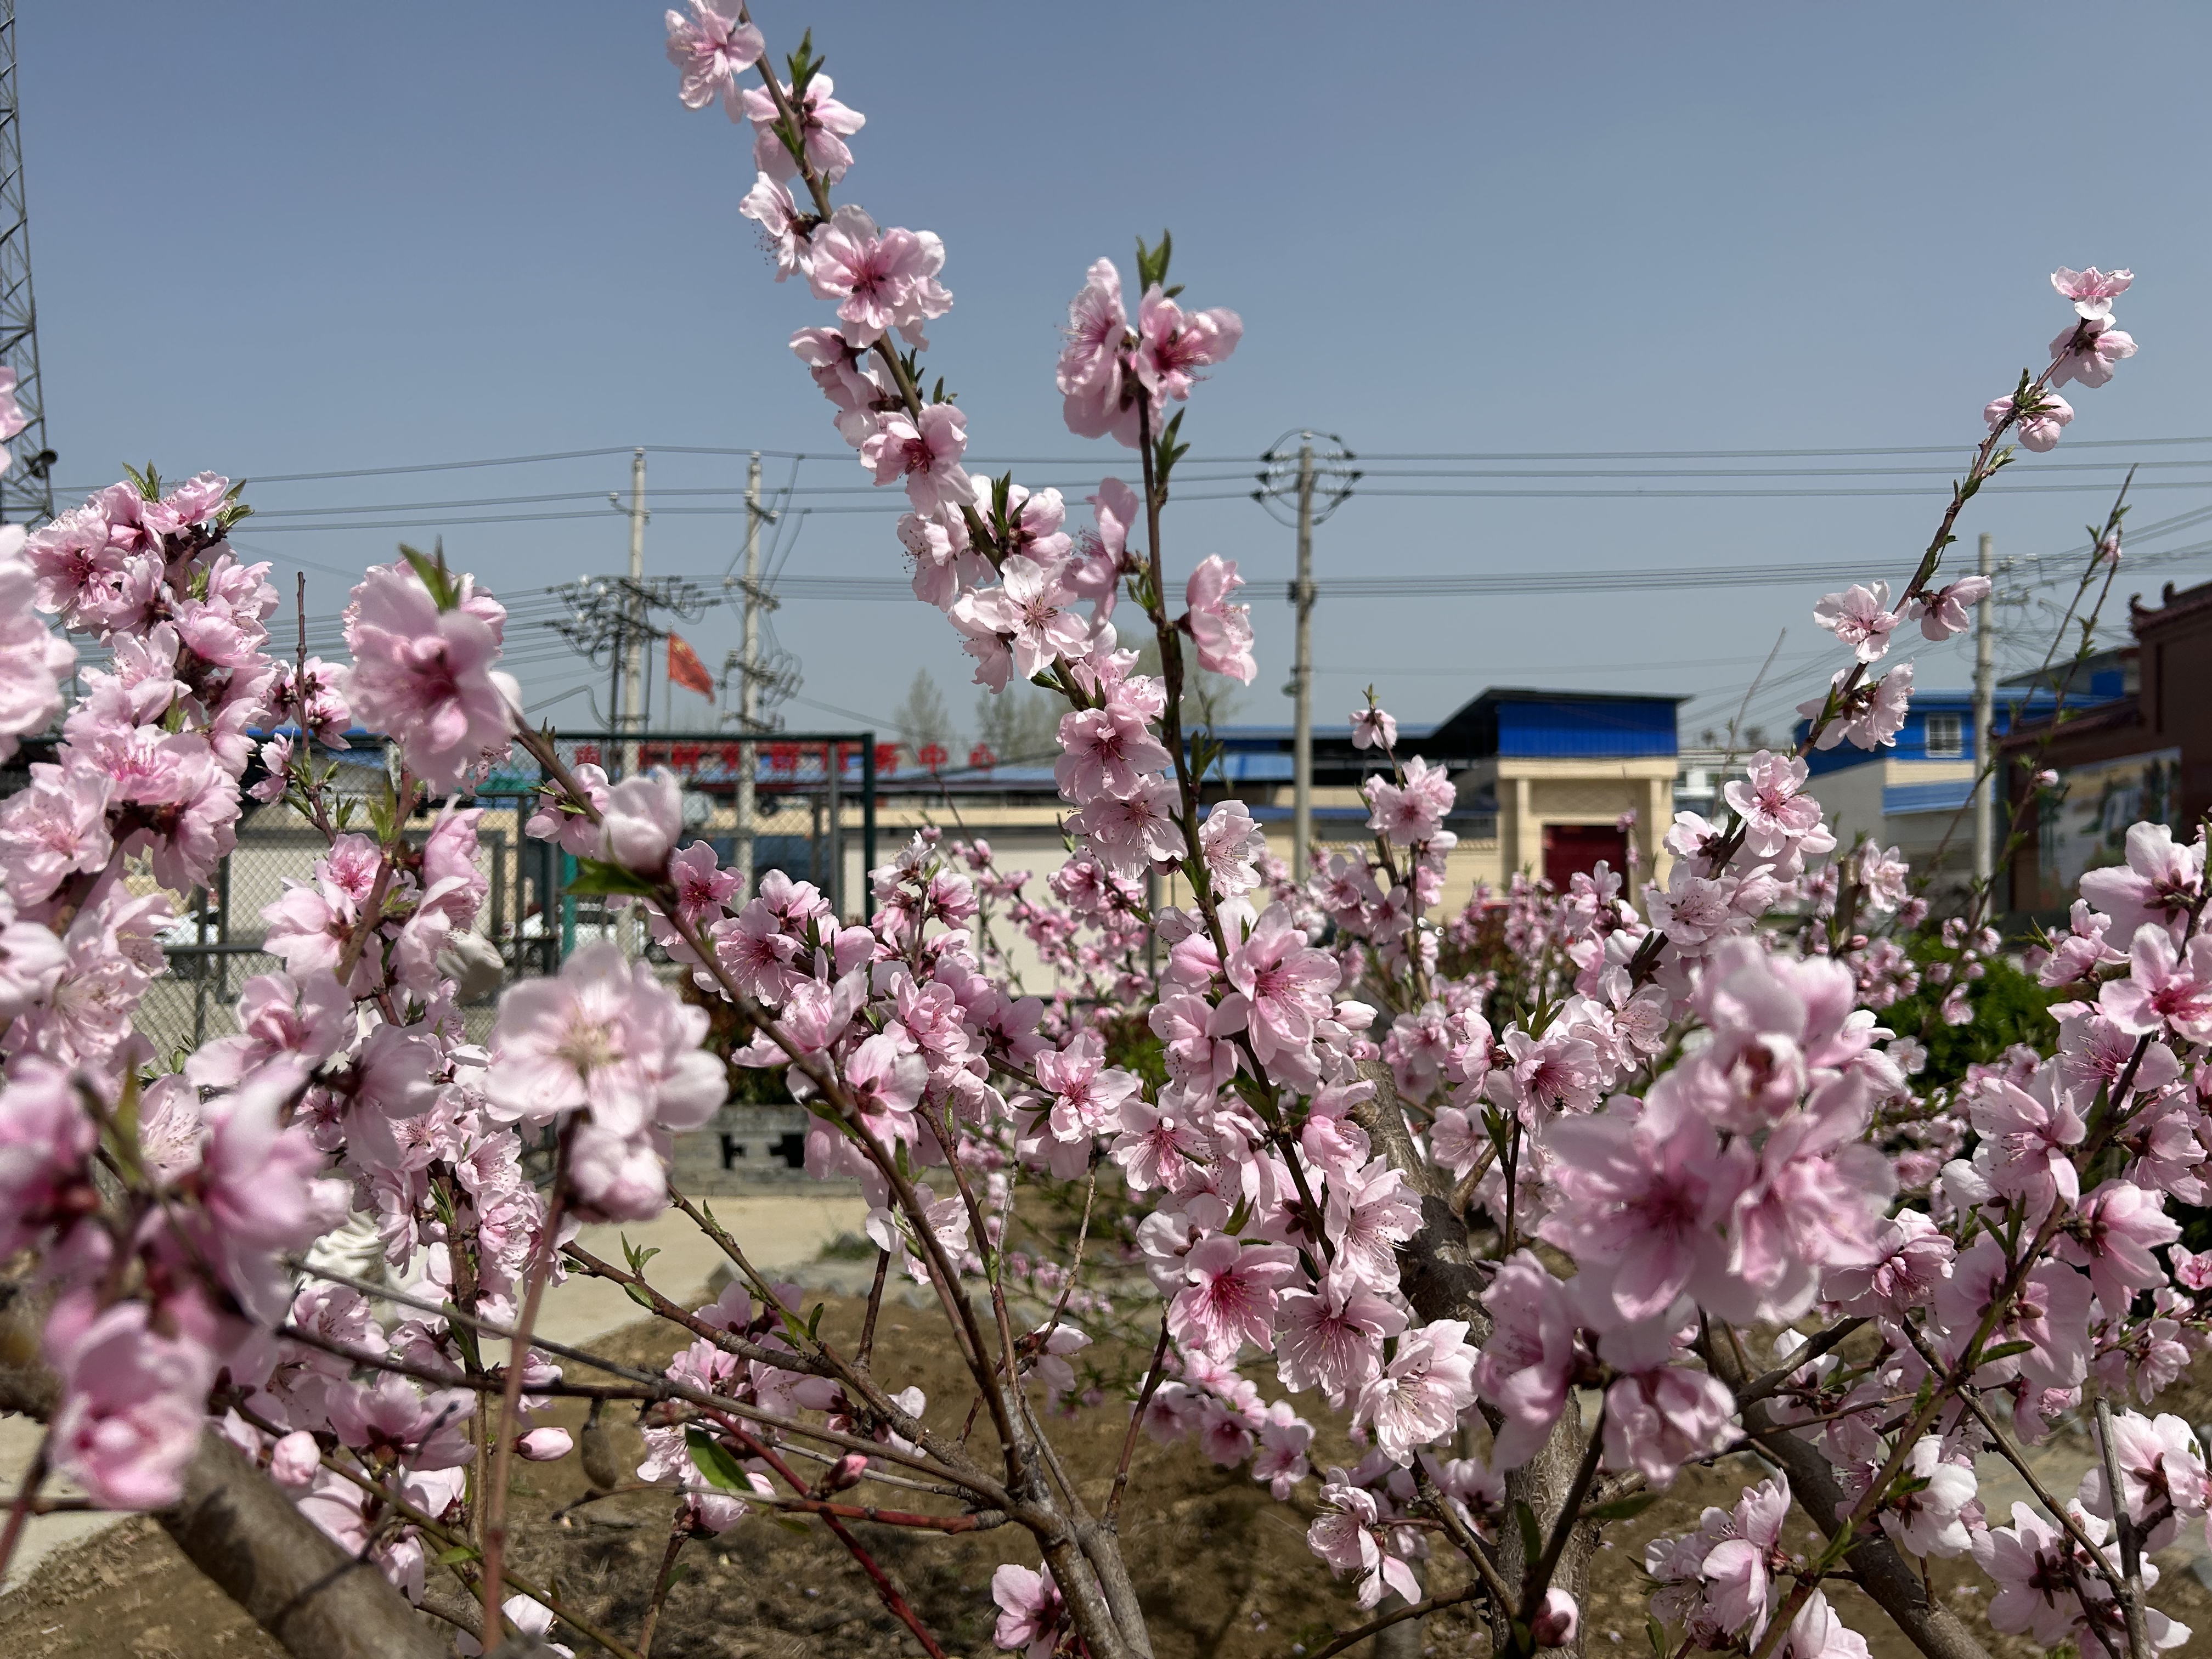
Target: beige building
pixel 1548 783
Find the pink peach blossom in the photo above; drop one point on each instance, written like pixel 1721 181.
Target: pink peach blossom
pixel 712 52
pixel 426 677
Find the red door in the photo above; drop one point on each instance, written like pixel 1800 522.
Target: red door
pixel 1572 848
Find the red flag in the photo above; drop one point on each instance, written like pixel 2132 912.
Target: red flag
pixel 684 668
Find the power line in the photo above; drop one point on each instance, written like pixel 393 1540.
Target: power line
pixel 1092 460
pixel 1366 476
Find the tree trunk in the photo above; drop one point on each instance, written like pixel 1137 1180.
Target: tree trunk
pixel 1543 1483
pixel 1436 1272
pixel 316 1600
pixel 239 1529
pixel 1886 1577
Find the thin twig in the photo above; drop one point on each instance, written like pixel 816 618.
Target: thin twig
pixel 887 1591
pixel 25 1502
pixel 1468 1543
pixel 1136 1421
pixel 2131 1591
pixel 663 1388
pixel 1759 1387
pixel 437 1530
pixel 679 1530
pixel 518 1361
pixel 1352 1638
pixel 861 1354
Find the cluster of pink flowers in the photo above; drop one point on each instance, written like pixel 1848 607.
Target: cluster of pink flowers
pixel 1685 1091
pixel 1869 714
pixel 347 1097
pixel 146 776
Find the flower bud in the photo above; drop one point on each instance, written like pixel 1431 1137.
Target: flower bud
pixel 1554 1627
pixel 296 1459
pixel 544 1445
pixel 845 1472
pixel 641 821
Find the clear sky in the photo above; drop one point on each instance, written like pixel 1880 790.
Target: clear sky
pixel 274 239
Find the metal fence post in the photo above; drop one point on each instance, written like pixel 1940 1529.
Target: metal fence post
pixel 867 818
pixel 200 979
pixel 499 888
pixel 832 768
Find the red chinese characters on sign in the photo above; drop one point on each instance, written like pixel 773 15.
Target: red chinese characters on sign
pixel 981 758
pixel 783 759
pixel 887 759
pixel 588 754
pixel 932 755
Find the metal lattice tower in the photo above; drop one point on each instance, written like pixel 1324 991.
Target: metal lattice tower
pixel 27 487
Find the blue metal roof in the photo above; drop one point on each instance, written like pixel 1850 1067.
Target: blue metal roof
pixel 1947 796
pixel 1537 726
pixel 1912 737
pixel 1248 767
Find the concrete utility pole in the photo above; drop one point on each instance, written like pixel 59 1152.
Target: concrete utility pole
pixel 635 637
pixel 635 643
pixel 1321 480
pixel 1302 675
pixel 1985 745
pixel 748 678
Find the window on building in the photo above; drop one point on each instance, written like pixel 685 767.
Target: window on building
pixel 1947 736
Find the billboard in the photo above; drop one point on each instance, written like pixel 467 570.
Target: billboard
pixel 2082 819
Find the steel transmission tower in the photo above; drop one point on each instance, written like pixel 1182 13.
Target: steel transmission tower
pixel 27 487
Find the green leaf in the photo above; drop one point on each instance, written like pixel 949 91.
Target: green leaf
pixel 1658 1633
pixel 1153 262
pixel 1166 450
pixel 804 65
pixel 814 1320
pixel 596 877
pixel 1622 1509
pixel 446 1558
pixel 433 574
pixel 639 1295
pixel 1532 1536
pixel 2004 1350
pixel 714 1460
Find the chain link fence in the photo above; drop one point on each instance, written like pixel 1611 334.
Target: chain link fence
pixel 219 942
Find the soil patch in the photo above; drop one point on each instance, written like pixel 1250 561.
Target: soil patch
pixel 1223 1568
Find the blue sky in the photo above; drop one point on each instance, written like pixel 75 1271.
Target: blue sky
pixel 300 239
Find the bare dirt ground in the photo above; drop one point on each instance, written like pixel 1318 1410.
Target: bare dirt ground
pixel 1224 1568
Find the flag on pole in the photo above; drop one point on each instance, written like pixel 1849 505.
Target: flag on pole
pixel 684 668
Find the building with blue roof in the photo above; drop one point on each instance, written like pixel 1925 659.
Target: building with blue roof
pixel 1915 795
pixel 1571 778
